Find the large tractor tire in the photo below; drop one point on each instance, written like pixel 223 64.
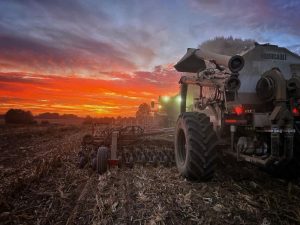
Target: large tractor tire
pixel 102 160
pixel 195 146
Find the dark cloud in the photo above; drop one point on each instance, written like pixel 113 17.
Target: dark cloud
pixel 73 53
pixel 74 11
pixel 256 16
pixel 99 31
pixel 85 37
pixel 20 78
pixel 14 43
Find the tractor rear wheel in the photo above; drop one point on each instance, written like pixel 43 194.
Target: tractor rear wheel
pixel 102 160
pixel 195 146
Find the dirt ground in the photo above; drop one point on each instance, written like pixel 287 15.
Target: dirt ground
pixel 41 184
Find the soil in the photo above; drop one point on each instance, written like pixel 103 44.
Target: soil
pixel 42 184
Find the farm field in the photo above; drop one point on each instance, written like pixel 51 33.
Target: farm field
pixel 149 112
pixel 42 184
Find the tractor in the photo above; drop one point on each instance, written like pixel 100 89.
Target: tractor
pixel 246 105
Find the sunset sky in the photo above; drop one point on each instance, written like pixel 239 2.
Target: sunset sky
pixel 104 58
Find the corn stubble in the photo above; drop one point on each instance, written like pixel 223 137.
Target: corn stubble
pixel 42 184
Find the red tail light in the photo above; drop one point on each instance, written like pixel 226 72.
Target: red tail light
pixel 234 121
pixel 295 111
pixel 239 110
pixel 230 121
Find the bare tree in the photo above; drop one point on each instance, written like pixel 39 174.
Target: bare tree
pixel 143 110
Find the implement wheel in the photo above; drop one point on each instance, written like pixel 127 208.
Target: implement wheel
pixel 88 139
pixel 102 160
pixel 195 146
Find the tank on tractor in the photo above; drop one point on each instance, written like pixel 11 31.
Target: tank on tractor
pixel 247 105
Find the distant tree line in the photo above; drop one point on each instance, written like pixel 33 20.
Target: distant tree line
pixel 49 115
pixel 20 116
pixel 143 114
pixel 227 45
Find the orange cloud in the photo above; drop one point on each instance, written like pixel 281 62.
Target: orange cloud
pixel 119 94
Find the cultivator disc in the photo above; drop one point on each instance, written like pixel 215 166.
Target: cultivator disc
pixel 146 155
